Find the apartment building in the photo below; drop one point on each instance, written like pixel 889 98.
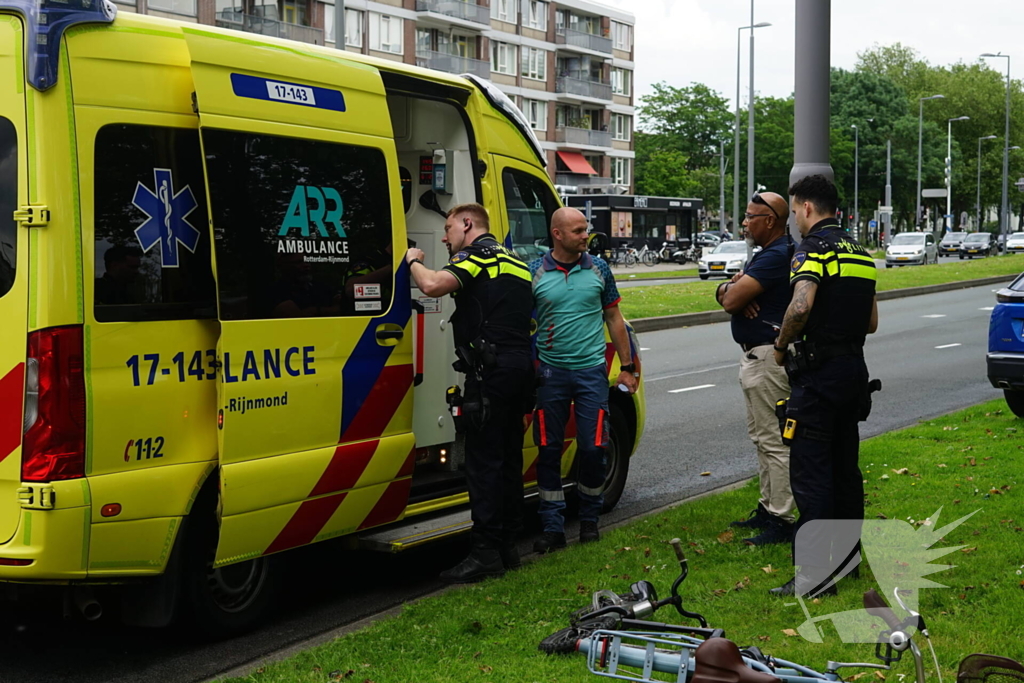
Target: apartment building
pixel 568 64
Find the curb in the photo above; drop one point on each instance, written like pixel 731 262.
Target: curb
pixel 668 322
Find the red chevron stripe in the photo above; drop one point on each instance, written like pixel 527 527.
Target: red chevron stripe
pixel 409 465
pixel 391 504
pixel 609 356
pixel 380 406
pixel 306 523
pixel 346 466
pixel 12 393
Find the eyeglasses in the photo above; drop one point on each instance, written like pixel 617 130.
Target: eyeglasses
pixel 758 199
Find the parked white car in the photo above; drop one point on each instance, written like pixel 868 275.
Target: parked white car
pixel 1015 243
pixel 726 260
pixel 910 249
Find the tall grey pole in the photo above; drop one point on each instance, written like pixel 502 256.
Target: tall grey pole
pixel 339 24
pixel 813 59
pixel 888 191
pixel 736 140
pixel 977 201
pixel 856 181
pixel 721 186
pixel 1004 219
pixel 750 113
pixel 920 138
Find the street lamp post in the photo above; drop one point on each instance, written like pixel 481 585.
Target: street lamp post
pixel 1004 219
pixel 736 128
pixel 977 204
pixel 920 133
pixel 721 187
pixel 949 168
pixel 856 177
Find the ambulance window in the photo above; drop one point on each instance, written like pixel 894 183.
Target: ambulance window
pixel 302 228
pixel 530 203
pixel 152 259
pixel 8 203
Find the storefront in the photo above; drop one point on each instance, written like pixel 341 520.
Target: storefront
pixel 633 219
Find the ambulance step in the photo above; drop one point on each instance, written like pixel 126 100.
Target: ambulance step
pixel 416 531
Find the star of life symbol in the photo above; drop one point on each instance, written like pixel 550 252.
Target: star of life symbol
pixel 166 222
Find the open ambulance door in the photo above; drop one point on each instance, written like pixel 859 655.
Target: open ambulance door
pixel 14 244
pixel 315 352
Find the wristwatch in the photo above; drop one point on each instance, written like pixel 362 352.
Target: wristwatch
pixel 629 368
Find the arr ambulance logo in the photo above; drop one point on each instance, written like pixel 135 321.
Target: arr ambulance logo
pixel 166 223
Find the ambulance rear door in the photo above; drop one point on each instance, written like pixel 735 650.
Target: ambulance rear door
pixel 14 243
pixel 315 353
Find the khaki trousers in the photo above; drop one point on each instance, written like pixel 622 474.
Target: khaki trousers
pixel 763 384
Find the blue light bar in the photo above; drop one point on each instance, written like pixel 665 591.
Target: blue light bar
pixel 45 23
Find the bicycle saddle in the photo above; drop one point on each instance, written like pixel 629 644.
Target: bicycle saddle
pixel 719 661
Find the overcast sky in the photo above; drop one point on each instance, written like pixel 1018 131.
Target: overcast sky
pixel 681 41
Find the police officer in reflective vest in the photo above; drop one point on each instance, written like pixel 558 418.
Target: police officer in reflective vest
pixel 822 345
pixel 493 303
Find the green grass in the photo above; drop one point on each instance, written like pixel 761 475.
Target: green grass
pixel 691 297
pixel 967 461
pixel 634 274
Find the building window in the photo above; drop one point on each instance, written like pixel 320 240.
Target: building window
pixel 622 81
pixel 621 126
pixel 620 171
pixel 385 33
pixel 536 113
pixel 536 15
pixel 353 26
pixel 503 58
pixel 534 63
pixel 186 7
pixel 622 36
pixel 505 10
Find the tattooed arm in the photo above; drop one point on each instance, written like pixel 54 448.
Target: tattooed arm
pixel 796 316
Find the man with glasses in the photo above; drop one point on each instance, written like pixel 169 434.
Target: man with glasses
pixel 757 299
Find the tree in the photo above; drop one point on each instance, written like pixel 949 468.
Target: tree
pixel 692 120
pixel 662 171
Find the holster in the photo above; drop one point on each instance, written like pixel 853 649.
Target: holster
pixel 865 401
pixel 803 357
pixel 787 426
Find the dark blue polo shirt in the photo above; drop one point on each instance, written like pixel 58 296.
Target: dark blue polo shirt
pixel 770 267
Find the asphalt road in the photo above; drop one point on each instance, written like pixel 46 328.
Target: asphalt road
pixel 929 353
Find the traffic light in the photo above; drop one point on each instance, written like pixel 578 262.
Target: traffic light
pixel 949 171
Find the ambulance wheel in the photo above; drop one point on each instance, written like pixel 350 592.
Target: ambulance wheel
pixel 222 602
pixel 617 461
pixel 1015 401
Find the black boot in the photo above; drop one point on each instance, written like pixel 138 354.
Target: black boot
pixel 509 552
pixel 777 531
pixel 589 532
pixel 480 564
pixel 758 519
pixel 549 541
pixel 801 586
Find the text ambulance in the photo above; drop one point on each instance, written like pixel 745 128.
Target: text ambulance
pixel 209 351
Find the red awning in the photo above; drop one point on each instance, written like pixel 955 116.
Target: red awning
pixel 577 163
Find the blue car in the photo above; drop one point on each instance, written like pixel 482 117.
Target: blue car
pixel 1006 345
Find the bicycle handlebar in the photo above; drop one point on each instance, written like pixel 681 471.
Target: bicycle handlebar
pixel 677 546
pixel 877 607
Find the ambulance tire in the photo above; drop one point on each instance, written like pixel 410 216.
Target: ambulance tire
pixel 226 601
pixel 617 460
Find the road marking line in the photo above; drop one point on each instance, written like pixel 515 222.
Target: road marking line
pixel 948 346
pixel 694 372
pixel 702 386
pixel 986 308
pixel 935 315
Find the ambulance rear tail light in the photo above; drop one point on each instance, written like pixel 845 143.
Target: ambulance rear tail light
pixel 54 442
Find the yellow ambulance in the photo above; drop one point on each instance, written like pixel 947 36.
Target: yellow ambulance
pixel 210 350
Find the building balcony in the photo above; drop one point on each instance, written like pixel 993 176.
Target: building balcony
pixel 570 37
pixel 583 136
pixel 469 11
pixel 453 64
pixel 580 87
pixel 588 181
pixel 269 27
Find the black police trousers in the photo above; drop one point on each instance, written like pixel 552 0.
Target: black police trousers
pixel 823 470
pixel 494 451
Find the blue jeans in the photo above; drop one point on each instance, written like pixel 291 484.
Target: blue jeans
pixel 560 388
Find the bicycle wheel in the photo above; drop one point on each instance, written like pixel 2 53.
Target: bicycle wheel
pixel 650 258
pixel 564 641
pixel 630 260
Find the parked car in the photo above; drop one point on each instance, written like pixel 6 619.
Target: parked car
pixel 950 243
pixel 977 244
pixel 1006 345
pixel 1015 243
pixel 707 240
pixel 727 259
pixel 911 248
